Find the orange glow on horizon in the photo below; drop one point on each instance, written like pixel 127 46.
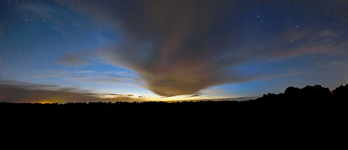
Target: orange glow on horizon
pixel 45 102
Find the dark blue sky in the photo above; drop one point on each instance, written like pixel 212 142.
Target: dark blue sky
pixel 165 50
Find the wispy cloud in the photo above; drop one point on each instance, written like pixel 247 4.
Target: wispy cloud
pixel 70 60
pixel 18 92
pixel 123 77
pixel 213 91
pixel 38 8
pixel 88 71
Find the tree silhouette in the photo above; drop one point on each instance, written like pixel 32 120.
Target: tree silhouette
pixel 296 114
pixel 292 91
pixel 341 92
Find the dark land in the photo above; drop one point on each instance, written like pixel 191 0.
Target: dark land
pixel 312 113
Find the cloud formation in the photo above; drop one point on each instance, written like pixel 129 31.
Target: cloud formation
pixel 182 47
pixel 72 60
pixel 20 92
pixel 91 76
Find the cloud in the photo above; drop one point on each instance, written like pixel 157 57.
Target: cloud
pixel 20 92
pixel 89 71
pixel 183 47
pixel 38 93
pixel 195 95
pixel 37 8
pixel 91 76
pixel 110 94
pixel 72 60
pixel 213 91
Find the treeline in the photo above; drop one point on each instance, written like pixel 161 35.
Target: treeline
pixel 310 94
pixel 294 104
pixel 308 97
pixel 298 114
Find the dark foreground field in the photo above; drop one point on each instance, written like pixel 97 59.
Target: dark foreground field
pixel 311 114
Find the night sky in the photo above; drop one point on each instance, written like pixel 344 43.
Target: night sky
pixel 59 51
